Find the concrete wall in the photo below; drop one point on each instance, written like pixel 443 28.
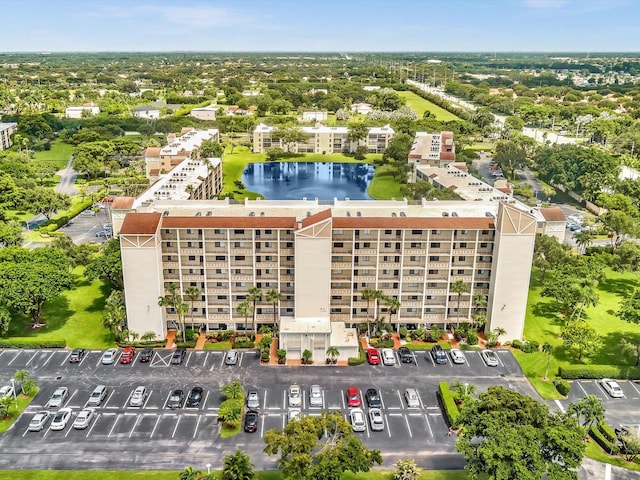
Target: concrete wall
pixel 313 276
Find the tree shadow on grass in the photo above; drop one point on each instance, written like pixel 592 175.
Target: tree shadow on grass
pixel 619 286
pixel 99 302
pixel 610 352
pixel 55 315
pixel 549 311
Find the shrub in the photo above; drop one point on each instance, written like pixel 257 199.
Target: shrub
pixel 607 446
pixel 403 332
pixel 599 371
pixel 359 360
pixel 608 432
pixel 374 342
pixel 32 343
pixel 187 344
pixel 472 338
pixel 245 344
pixel 265 341
pixel 448 403
pixel 562 386
pixel 227 334
pixel 530 347
pixel 517 344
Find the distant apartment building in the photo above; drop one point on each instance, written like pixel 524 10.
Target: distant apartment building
pixel 82 110
pixel 321 258
pixel 314 116
pixel 322 139
pixel 6 130
pixel 235 111
pixel 160 160
pixel 362 108
pixel 204 113
pixel 145 111
pixel 432 149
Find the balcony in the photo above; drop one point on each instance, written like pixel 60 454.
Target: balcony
pixel 187 250
pixel 365 251
pixel 340 291
pixel 346 265
pixel 169 264
pixel 217 265
pixel 241 251
pixel 463 251
pixel 464 278
pixel 217 291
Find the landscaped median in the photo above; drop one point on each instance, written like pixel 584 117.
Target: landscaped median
pixel 16 408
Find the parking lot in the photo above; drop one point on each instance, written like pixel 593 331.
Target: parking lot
pixel 83 228
pixel 142 434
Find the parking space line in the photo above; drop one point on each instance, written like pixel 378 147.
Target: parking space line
pixel 14 358
pixel 386 420
pixel 95 420
pixel 500 361
pixel 262 428
pixel 109 398
pixel 241 357
pixel 64 360
pixel 113 426
pixel 206 397
pixel 222 361
pixel 147 400
pixel 406 420
pixel 323 398
pixel 195 432
pixel 176 427
pixel 69 400
pixel 381 400
pixel 582 388
pixel 401 401
pixel 135 424
pixel 634 386
pixel 35 354
pixel 49 358
pixel 559 405
pixel 419 399
pixel 426 417
pixel 284 399
pixel 154 427
pixel 430 357
pixel 342 397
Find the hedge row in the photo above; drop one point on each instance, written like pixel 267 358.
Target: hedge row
pixel 32 343
pixel 189 344
pixel 155 344
pixel 56 223
pixel 599 371
pixel 247 344
pixel 608 432
pixel 448 403
pixel 609 447
pixel 359 360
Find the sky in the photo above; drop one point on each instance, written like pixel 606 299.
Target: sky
pixel 320 25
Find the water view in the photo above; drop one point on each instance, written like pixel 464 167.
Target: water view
pixel 297 180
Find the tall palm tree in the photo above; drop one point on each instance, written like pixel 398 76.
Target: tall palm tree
pixel 233 390
pixel 587 294
pixel 394 305
pixel 547 348
pixel 171 299
pixel 192 294
pixel 275 297
pixel 583 240
pixel 245 309
pixel 368 294
pixel 181 309
pixel 590 408
pixel 459 287
pixel 237 466
pixel 255 295
pixel 464 390
pixel 378 297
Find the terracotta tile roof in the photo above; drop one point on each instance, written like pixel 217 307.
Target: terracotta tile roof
pixel 122 203
pixel 444 223
pixel 140 224
pixel 229 222
pixel 553 214
pixel 154 171
pixel 152 151
pixel 318 217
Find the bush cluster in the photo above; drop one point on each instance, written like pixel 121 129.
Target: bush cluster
pixel 448 403
pixel 187 344
pixel 359 360
pixel 526 347
pixel 562 386
pixel 32 343
pixel 599 371
pixel 601 439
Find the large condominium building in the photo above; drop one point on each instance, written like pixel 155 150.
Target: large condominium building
pixel 320 258
pixel 432 149
pixel 6 130
pixel 322 139
pixel 162 159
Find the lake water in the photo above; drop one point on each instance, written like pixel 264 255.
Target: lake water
pixel 298 180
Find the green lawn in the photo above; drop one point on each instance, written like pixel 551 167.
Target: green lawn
pixel 76 316
pixel 420 105
pixel 218 346
pixel 173 475
pixel 60 151
pixel 543 324
pixel 14 411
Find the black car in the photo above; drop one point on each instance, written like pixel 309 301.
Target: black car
pixel 195 396
pixel 373 398
pixel 176 399
pixel 405 355
pixel 76 355
pixel 178 356
pixel 251 421
pixel 146 355
pixel 438 355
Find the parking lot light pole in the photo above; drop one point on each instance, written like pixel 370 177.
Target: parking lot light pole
pixel 208 469
pixel 466 389
pixel 15 396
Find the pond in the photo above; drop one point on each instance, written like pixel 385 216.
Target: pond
pixel 298 180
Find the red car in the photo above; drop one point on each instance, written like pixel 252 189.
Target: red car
pixel 372 356
pixel 353 397
pixel 127 355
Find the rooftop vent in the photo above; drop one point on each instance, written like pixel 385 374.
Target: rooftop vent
pixel 262 214
pixel 445 214
pixel 393 214
pixel 402 214
pixel 165 213
pixel 209 213
pixel 252 214
pixel 198 214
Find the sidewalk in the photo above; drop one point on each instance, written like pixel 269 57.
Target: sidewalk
pixel 171 338
pixel 202 339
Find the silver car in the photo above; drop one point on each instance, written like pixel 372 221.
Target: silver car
pixel 109 356
pixel 38 421
pixel 315 396
pixel 388 357
pixel 83 420
pixel 97 396
pixel 612 388
pixel 357 420
pixel 60 419
pixel 490 358
pixel 58 398
pixel 456 356
pixel 411 396
pixel 138 397
pixel 295 396
pixel 253 400
pixel 376 419
pixel 294 414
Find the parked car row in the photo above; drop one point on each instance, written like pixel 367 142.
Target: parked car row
pixel 60 419
pixel 128 354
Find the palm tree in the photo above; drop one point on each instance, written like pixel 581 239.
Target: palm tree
pixel 230 415
pixel 182 309
pixel 233 389
pixel 547 348
pixel 498 332
pixel 378 297
pixel 630 348
pixel 172 299
pixel 189 473
pixel 394 305
pixel 237 466
pixel 333 353
pixel 192 294
pixel 245 309
pixel 459 287
pixel 587 295
pixel 590 408
pixel 583 240
pixel 275 297
pixel 464 390
pixel 254 296
pixel 368 294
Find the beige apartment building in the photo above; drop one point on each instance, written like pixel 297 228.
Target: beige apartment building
pixel 160 160
pixel 6 130
pixel 432 149
pixel 321 257
pixel 323 139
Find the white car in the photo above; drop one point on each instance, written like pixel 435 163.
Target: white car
pixel 612 388
pixel 388 357
pixel 376 419
pixel 253 400
pixel 315 396
pixel 456 356
pixel 295 396
pixel 490 358
pixel 58 398
pixel 6 391
pixel 294 414
pixel 60 419
pixel 411 396
pixel 109 356
pixel 38 421
pixel 357 420
pixel 84 418
pixel 138 396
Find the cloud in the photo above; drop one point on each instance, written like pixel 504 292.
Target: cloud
pixel 545 4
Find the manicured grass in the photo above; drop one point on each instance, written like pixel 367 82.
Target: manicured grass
pixel 238 403
pixel 543 324
pixel 23 401
pixel 384 186
pixel 593 450
pixel 420 105
pixel 427 345
pixel 218 346
pixel 76 316
pixel 60 151
pixel 164 475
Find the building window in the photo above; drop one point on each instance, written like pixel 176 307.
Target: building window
pixel 169 244
pixel 435 244
pixel 367 232
pixel 219 244
pixel 267 232
pixel 220 258
pixel 338 231
pixel 433 272
pixel 460 271
pixel 462 258
pixel 435 232
pixel 416 245
pixel 217 231
pixel 240 257
pixel 388 232
pixel 338 244
pixel 434 258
